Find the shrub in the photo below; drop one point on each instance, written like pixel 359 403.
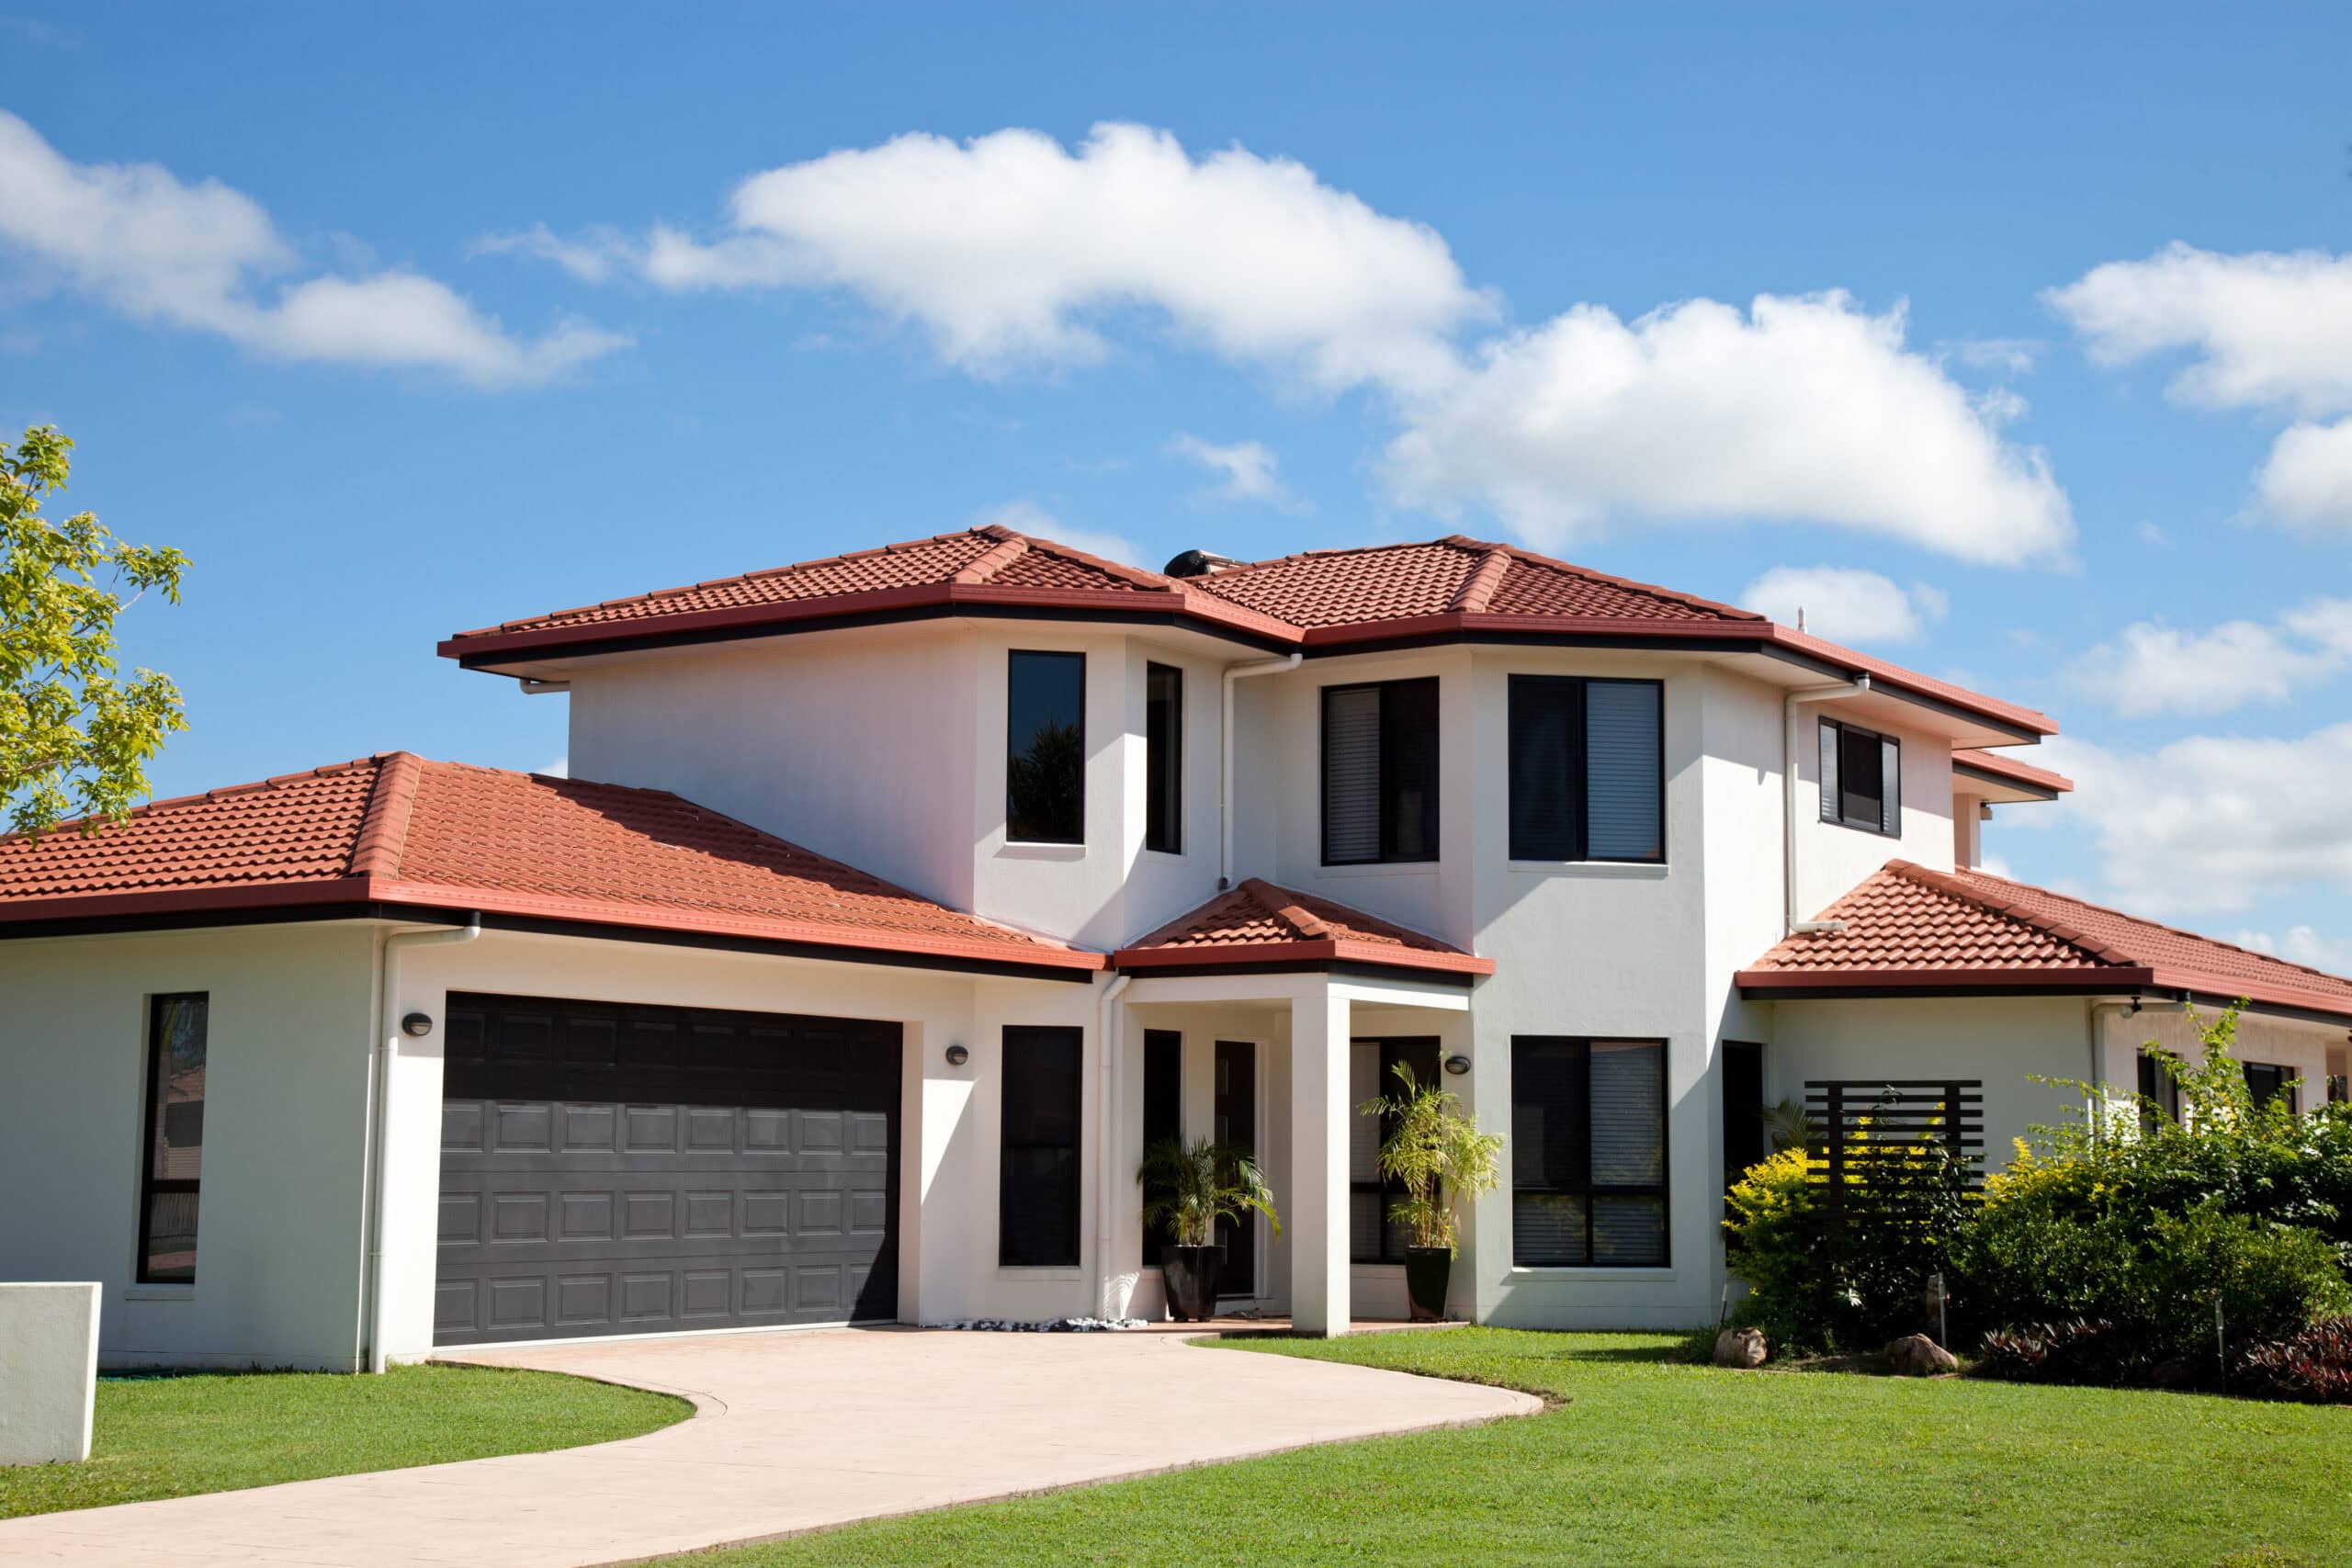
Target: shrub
pixel 2313 1364
pixel 2077 1351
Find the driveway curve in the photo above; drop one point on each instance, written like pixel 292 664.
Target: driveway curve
pixel 793 1432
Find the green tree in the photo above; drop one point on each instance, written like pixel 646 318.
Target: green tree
pixel 73 736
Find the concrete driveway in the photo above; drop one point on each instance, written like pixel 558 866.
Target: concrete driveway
pixel 793 1432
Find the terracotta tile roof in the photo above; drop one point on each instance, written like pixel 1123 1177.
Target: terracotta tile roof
pixel 2011 769
pixel 1368 586
pixel 1324 600
pixel 396 829
pixel 1908 927
pixel 1258 922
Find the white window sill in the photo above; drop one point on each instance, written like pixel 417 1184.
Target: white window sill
pixel 1015 849
pixel 1164 857
pixel 1387 868
pixel 1633 870
pixel 159 1293
pixel 1590 1273
pixel 1055 1276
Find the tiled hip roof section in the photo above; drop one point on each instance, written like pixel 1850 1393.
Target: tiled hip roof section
pixel 399 829
pixel 1258 923
pixel 1911 929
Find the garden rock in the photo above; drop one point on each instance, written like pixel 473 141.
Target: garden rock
pixel 1917 1356
pixel 1740 1347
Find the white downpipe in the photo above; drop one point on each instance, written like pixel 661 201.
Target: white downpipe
pixel 1105 1121
pixel 1801 697
pixel 380 1085
pixel 1233 673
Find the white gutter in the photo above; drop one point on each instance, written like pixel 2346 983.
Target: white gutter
pixel 1225 761
pixel 1802 696
pixel 380 1085
pixel 1107 1100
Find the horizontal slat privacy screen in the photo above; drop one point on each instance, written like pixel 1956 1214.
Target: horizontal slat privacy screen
pixel 1623 764
pixel 1352 775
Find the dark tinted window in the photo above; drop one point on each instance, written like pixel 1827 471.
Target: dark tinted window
pixel 1380 773
pixel 1743 1108
pixel 2267 1083
pixel 1163 1108
pixel 174 1168
pixel 2158 1088
pixel 1588 1152
pixel 1037 1186
pixel 1044 791
pixel 1861 778
pixel 1163 751
pixel 1587 769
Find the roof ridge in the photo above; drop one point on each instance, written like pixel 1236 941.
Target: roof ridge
pixel 1287 907
pixel 1478 589
pixel 383 824
pixel 1950 885
pixel 1553 563
pixel 2159 925
pixel 989 563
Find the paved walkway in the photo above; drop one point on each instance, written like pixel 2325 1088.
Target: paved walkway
pixel 795 1432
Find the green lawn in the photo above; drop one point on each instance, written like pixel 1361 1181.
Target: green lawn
pixel 168 1437
pixel 1655 1462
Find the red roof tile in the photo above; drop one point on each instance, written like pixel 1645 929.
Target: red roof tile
pixel 1322 600
pixel 397 828
pixel 1908 927
pixel 1258 922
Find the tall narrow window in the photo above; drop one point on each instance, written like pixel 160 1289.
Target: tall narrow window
pixel 1163 1116
pixel 1045 787
pixel 1163 758
pixel 1380 773
pixel 1372 1236
pixel 2159 1090
pixel 1743 1069
pixel 1588 1152
pixel 1038 1185
pixel 175 1163
pixel 1587 769
pixel 1861 778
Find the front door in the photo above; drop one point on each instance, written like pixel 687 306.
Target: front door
pixel 1237 1125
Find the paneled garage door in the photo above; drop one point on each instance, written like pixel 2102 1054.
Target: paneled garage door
pixel 617 1170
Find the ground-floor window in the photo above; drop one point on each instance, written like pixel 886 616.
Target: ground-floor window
pixel 2159 1089
pixel 1037 1183
pixel 1163 1116
pixel 1744 1140
pixel 174 1168
pixel 2267 1081
pixel 1372 1236
pixel 1588 1152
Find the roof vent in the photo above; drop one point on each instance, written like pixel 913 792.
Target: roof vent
pixel 1197 563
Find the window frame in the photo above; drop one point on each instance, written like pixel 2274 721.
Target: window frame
pixel 1890 785
pixel 1160 1044
pixel 1750 1051
pixel 1388 822
pixel 1012 663
pixel 1579 774
pixel 1069 1035
pixel 150 1184
pixel 2287 1082
pixel 1163 829
pixel 1663 1190
pixel 2158 1090
pixel 1393 1050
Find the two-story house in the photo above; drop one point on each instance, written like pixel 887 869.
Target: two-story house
pixel 917 888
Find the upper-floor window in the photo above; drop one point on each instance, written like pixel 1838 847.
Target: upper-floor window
pixel 1163 758
pixel 1587 769
pixel 173 1167
pixel 1045 774
pixel 1861 778
pixel 1380 762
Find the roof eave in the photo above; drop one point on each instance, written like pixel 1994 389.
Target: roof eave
pixel 1304 954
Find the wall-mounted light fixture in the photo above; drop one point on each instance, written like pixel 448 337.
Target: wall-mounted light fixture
pixel 1457 1064
pixel 416 1024
pixel 957 1055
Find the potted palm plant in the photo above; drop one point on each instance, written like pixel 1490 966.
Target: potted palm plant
pixel 1189 1188
pixel 1437 1153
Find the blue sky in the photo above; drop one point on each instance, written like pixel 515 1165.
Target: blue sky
pixel 482 318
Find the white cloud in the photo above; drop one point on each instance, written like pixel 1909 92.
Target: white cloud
pixel 592 258
pixel 2016 356
pixel 1009 248
pixel 1844 604
pixel 2303 945
pixel 2210 822
pixel 1801 409
pixel 1027 517
pixel 156 249
pixel 2154 668
pixel 1247 468
pixel 2264 329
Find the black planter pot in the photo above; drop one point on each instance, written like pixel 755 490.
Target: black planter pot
pixel 1190 1274
pixel 1427 1269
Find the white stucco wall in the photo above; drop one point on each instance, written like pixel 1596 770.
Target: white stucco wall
pixel 278 1250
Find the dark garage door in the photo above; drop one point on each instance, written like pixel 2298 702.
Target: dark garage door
pixel 617 1170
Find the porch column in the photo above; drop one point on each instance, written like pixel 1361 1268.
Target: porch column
pixel 1316 1225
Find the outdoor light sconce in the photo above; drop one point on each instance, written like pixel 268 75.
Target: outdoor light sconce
pixel 1457 1064
pixel 417 1026
pixel 957 1055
